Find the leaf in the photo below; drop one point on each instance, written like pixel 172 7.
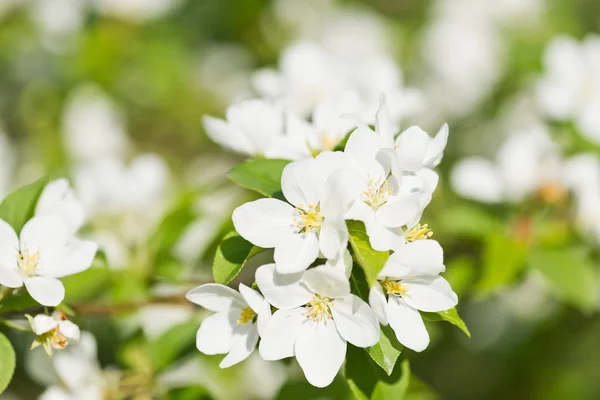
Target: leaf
pixel 172 344
pixel 302 390
pixel 86 285
pixel 19 206
pixel 7 362
pixel 469 220
pixel 451 316
pixel 370 260
pixel 232 254
pixel 503 259
pixel 367 381
pixel 570 272
pixel 20 301
pixel 386 352
pixel 261 175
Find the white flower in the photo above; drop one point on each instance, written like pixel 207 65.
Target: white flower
pixel 255 128
pixel 135 10
pixel 317 316
pixel 411 282
pixel 53 332
pixel 59 198
pixel 570 88
pixel 527 162
pixel 44 252
pixel 236 324
pixel 310 223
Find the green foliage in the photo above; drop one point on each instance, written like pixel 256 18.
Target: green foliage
pixel 369 382
pixel 571 274
pixel 232 254
pixel 386 352
pixel 172 344
pixel 451 316
pixel 19 301
pixel 468 220
pixel 86 285
pixel 370 260
pixel 260 175
pixel 503 259
pixel 302 390
pixel 19 206
pixel 7 362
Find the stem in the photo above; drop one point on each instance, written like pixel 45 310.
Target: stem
pixel 14 326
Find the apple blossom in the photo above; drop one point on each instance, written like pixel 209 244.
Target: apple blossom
pixel 53 332
pixel 59 198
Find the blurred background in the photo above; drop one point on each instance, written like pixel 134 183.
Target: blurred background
pixel 111 94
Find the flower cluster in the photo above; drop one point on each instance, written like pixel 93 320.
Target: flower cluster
pixel 382 179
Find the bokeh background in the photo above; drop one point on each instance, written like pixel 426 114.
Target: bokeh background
pixel 111 94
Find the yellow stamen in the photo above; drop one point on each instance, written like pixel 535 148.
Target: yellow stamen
pixel 246 316
pixel 377 193
pixel 308 219
pixel 27 262
pixel 395 287
pixel 318 308
pixel 553 193
pixel 419 232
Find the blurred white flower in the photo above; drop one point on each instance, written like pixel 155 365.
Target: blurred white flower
pixel 44 252
pixel 57 20
pixel 53 332
pixel 236 324
pixel 410 280
pixel 135 10
pixel 317 316
pixel 58 198
pixel 156 319
pixel 527 162
pixel 92 125
pixel 570 87
pixel 582 176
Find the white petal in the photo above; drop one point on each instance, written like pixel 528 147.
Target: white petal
pixel 296 252
pixel 411 148
pixel 407 324
pixel 243 343
pixel 436 147
pixel 326 281
pixel 343 263
pixel 320 351
pixel 215 335
pixel 280 334
pixel 260 121
pixel 48 235
pixel 421 257
pixel 46 291
pixel 378 303
pixel 430 294
pixel 76 256
pixel 264 316
pixel 301 181
pixel 478 179
pixel 226 135
pixel 59 198
pixel 10 278
pixel 364 145
pixel 383 123
pixel 251 297
pixel 215 297
pixel 333 238
pixel 398 212
pixel 264 222
pixel 69 330
pixel 43 323
pixel 282 290
pixel 382 238
pixel 355 321
pixel 9 246
pixel 341 190
pixel 430 177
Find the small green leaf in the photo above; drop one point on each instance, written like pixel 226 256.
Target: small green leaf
pixel 386 352
pixel 503 259
pixel 451 316
pixel 370 260
pixel 20 301
pixel 172 344
pixel 261 175
pixel 232 254
pixel 7 362
pixel 19 206
pixel 570 272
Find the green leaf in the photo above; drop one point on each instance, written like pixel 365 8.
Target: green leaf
pixel 570 272
pixel 20 301
pixel 172 344
pixel 469 220
pixel 86 285
pixel 261 175
pixel 7 362
pixel 19 206
pixel 302 390
pixel 232 254
pixel 451 316
pixel 386 352
pixel 503 259
pixel 367 381
pixel 173 225
pixel 370 260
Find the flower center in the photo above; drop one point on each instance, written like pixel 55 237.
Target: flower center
pixel 395 287
pixel 553 193
pixel 419 232
pixel 308 219
pixel 246 316
pixel 377 193
pixel 27 262
pixel 318 308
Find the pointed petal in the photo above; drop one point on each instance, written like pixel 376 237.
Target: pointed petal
pixel 355 321
pixel 215 335
pixel 215 297
pixel 75 257
pixel 429 294
pixel 378 303
pixel 280 334
pixel 264 222
pixel 48 292
pixel 282 290
pixel 407 324
pixel 435 150
pixel 243 344
pixel 326 281
pixel 296 252
pixel 320 351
